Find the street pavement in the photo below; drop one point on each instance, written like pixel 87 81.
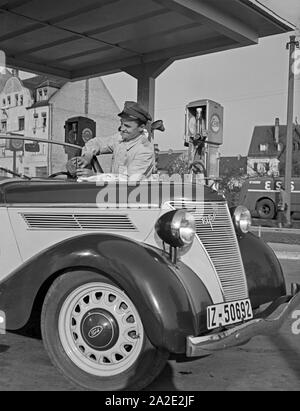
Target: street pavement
pixel 286 251
pixel 284 241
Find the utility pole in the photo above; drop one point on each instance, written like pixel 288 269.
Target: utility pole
pixel 86 97
pixel 291 46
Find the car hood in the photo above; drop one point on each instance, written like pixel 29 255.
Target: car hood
pixel 17 191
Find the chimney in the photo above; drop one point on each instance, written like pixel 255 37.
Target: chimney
pixel 276 134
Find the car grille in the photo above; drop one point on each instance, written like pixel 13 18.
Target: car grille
pixel 216 232
pixel 88 222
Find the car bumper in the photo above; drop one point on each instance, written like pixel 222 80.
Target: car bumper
pixel 268 323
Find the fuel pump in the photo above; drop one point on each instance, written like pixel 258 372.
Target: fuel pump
pixel 203 137
pixel 78 130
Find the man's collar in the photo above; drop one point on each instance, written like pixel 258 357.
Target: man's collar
pixel 133 142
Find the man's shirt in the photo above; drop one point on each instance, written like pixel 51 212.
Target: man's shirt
pixel 133 158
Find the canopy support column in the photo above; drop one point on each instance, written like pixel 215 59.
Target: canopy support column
pixel 146 73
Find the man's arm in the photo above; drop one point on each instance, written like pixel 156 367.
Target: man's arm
pixel 97 146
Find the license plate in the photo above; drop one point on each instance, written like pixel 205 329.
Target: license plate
pixel 228 313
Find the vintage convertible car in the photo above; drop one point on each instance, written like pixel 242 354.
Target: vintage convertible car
pixel 123 274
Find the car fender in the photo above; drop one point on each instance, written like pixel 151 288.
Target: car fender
pixel 164 294
pixel 263 270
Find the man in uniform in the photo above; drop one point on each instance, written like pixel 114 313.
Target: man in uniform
pixel 133 153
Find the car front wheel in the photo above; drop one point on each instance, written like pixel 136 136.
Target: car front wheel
pixel 94 334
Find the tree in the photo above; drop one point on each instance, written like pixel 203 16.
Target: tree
pixel 180 165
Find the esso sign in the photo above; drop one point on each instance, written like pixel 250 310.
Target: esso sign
pixel 278 184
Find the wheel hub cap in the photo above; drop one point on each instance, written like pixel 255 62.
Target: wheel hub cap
pixel 99 329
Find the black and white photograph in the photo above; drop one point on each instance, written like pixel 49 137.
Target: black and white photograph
pixel 149 198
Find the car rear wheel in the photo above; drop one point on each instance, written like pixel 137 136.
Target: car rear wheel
pixel 266 208
pixel 94 334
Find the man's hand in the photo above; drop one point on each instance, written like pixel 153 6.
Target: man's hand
pixel 75 164
pixel 84 172
pixel 81 162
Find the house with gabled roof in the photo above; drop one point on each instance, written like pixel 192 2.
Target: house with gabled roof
pixel 266 154
pixel 39 107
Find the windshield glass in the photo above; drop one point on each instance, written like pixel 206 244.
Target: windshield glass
pixel 32 158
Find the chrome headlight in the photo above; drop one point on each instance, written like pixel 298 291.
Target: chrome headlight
pixel 176 228
pixel 242 219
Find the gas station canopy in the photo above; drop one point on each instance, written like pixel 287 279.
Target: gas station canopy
pixel 75 39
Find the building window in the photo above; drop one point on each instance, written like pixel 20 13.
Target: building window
pixel 8 100
pixel 41 172
pixel 3 126
pixel 4 101
pixel 40 95
pixel 43 149
pixel 16 99
pixel 44 120
pixel 263 147
pixel 46 92
pixel 35 119
pixel 21 121
pixel 21 100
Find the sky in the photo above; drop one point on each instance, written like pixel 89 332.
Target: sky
pixel 251 83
